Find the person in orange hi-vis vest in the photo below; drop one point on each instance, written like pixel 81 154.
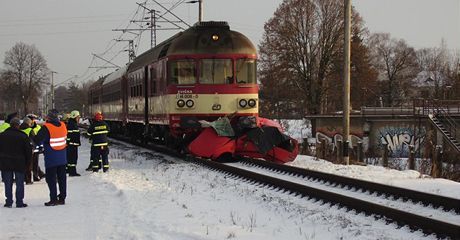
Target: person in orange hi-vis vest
pixel 53 136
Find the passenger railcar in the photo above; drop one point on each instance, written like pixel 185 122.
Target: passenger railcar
pixel 202 73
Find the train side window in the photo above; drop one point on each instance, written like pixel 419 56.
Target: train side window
pixel 182 72
pixel 246 71
pixel 153 79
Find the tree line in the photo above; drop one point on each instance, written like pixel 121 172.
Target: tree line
pixel 25 84
pixel 301 63
pixel 300 67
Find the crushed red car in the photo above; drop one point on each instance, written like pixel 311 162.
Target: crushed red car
pixel 253 137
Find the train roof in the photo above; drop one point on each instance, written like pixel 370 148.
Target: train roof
pixel 211 38
pixel 153 54
pixel 97 84
pixel 115 75
pixel 202 38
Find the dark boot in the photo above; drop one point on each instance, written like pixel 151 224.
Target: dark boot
pixel 90 167
pixel 51 203
pixel 21 205
pixel 60 201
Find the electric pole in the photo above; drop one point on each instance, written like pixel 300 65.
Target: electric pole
pixel 131 53
pixel 346 82
pixel 153 29
pixel 200 10
pixel 52 89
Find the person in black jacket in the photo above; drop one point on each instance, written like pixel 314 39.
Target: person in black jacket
pixel 6 124
pixel 97 133
pixel 37 173
pixel 26 127
pixel 15 155
pixel 73 141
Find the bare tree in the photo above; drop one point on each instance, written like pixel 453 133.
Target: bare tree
pixel 397 66
pixel 298 50
pixel 9 93
pixel 433 63
pixel 27 69
pixel 453 74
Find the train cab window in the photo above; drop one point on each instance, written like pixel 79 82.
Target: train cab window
pixel 246 71
pixel 182 72
pixel 216 71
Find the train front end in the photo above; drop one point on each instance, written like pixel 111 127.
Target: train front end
pixel 211 73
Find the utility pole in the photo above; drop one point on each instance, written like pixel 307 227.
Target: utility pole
pixel 52 89
pixel 346 82
pixel 46 102
pixel 153 25
pixel 200 9
pixel 153 29
pixel 131 53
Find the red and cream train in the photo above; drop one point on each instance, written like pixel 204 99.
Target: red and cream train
pixel 203 73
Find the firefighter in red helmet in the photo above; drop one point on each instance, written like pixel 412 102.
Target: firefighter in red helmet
pixel 97 133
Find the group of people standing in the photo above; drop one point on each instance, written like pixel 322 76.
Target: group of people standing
pixel 21 143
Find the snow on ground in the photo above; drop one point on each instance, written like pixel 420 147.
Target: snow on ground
pixel 149 196
pixel 410 179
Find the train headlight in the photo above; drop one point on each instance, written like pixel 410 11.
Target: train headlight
pixel 252 102
pixel 180 103
pixel 190 103
pixel 215 37
pixel 243 103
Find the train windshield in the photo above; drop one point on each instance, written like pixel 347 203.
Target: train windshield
pixel 182 72
pixel 246 71
pixel 216 71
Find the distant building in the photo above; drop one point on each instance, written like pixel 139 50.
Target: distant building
pixel 431 84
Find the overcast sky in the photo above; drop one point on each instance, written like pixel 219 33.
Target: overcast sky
pixel 68 32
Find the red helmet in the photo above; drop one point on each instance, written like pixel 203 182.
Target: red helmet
pixel 98 116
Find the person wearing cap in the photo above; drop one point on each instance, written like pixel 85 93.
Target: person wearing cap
pixel 73 142
pixel 6 124
pixel 26 127
pixel 15 154
pixel 37 173
pixel 53 136
pixel 97 133
pixel 65 117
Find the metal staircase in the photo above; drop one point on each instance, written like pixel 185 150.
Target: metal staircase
pixel 449 129
pixel 444 115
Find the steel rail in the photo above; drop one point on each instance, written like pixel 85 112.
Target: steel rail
pixel 414 221
pixel 427 225
pixel 447 203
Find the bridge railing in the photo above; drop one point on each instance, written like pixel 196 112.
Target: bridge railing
pixel 434 106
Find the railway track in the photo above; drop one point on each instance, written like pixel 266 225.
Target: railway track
pixel 440 202
pixel 415 221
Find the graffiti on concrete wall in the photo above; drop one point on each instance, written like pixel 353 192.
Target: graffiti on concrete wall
pixel 398 140
pixel 335 138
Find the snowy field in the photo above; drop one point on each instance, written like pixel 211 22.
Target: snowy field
pixel 148 196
